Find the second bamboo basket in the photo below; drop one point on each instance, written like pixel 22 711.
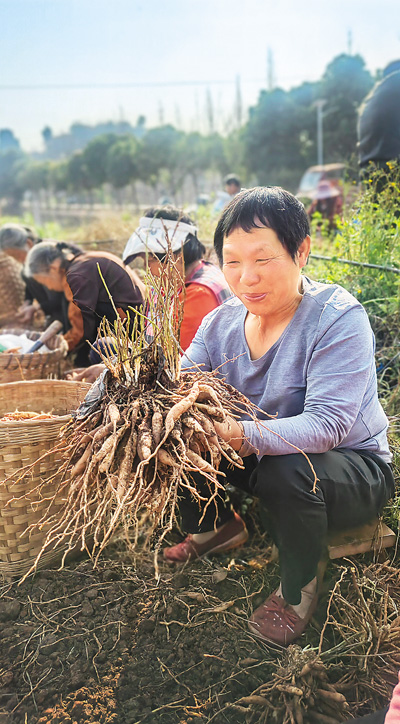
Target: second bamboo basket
pixel 23 445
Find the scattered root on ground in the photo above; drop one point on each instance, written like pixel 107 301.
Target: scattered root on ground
pixel 362 631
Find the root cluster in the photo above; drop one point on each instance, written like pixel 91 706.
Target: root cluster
pixel 298 693
pixel 128 459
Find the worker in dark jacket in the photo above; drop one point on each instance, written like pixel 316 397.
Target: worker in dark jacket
pixel 86 279
pixel 379 124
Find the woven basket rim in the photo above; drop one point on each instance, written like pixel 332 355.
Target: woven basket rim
pixel 16 424
pixel 68 384
pixel 35 384
pixel 26 358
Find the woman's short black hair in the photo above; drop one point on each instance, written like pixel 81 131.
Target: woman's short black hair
pixel 193 249
pixel 264 206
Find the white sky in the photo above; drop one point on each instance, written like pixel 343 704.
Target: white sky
pixel 173 50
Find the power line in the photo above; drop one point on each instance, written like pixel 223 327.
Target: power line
pixel 155 84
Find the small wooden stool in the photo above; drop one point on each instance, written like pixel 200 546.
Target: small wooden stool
pixel 373 536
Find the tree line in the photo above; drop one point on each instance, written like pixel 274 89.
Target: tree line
pixel 275 145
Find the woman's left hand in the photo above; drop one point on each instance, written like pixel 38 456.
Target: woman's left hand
pixel 87 374
pixel 231 431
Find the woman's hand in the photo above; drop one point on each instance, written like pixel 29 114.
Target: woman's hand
pixel 231 431
pixel 88 374
pixel 26 313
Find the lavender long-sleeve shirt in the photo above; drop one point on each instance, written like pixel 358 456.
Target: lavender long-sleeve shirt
pixel 319 376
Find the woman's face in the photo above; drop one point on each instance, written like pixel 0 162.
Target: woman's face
pixel 260 272
pixel 155 266
pixel 54 278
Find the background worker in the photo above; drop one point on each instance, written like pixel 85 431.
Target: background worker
pixel 205 285
pixel 76 275
pixel 232 184
pixel 379 125
pixel 327 201
pixel 16 240
pixel 232 187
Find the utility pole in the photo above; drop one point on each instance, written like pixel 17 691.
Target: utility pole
pixel 238 110
pixel 160 113
pixel 209 111
pixel 320 138
pixel 178 116
pixel 270 70
pixel 197 112
pixel 349 42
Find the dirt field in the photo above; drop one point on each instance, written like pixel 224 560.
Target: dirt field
pixel 112 645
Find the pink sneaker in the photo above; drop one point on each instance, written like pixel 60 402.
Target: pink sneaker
pixel 232 535
pixel 277 622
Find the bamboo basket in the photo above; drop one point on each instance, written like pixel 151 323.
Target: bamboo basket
pixel 36 366
pixel 21 444
pixel 12 289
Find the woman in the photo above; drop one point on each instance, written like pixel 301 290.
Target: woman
pixel 86 280
pixel 305 351
pixel 15 241
pixel 205 286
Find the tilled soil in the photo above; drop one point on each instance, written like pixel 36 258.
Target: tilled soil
pixel 114 645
